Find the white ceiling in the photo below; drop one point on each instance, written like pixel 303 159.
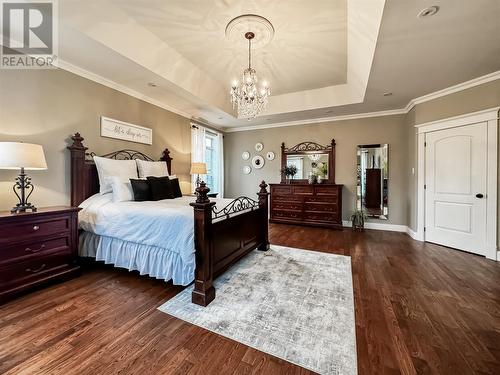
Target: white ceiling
pixel 309 49
pixel 328 57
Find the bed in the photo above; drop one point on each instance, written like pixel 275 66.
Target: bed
pixel 184 239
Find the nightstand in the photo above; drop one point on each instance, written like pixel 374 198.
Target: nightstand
pixel 37 247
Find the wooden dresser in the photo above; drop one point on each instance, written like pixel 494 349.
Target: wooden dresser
pixel 317 204
pixel 298 202
pixel 36 248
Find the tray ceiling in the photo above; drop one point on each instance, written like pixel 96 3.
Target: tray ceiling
pixel 328 57
pixel 309 49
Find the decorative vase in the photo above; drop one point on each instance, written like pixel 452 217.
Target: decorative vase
pixel 311 179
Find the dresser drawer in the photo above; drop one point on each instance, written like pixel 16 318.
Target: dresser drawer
pixel 286 198
pixel 297 206
pixel 42 227
pixel 322 199
pixel 326 190
pixel 302 189
pixel 320 216
pixel 281 190
pixel 39 247
pixel 283 214
pixel 321 206
pixel 33 269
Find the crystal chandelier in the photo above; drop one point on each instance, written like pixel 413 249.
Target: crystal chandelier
pixel 247 98
pixel 314 157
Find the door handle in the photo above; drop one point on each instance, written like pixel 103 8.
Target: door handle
pixel 479 195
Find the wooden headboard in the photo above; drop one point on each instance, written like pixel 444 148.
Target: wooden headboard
pixel 84 178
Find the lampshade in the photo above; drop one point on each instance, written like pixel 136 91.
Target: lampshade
pixel 16 155
pixel 198 168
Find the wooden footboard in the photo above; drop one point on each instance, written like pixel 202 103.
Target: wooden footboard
pixel 223 236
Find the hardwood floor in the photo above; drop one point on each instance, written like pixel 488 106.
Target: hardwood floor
pixel 420 308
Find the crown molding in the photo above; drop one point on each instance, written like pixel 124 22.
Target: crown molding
pixel 453 89
pixel 64 65
pixel 411 104
pixel 391 112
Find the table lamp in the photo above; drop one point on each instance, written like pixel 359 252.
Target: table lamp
pixel 198 168
pixel 23 156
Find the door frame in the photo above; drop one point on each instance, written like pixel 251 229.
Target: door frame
pixel 490 116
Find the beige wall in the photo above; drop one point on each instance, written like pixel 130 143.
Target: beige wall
pixel 348 134
pixel 47 106
pixel 399 131
pixel 467 101
pixel 471 100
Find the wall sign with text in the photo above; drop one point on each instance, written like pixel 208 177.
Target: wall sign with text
pixel 123 130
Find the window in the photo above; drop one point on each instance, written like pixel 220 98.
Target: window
pixel 207 147
pixel 298 161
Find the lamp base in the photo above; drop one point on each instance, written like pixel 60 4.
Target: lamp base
pixel 20 208
pixel 24 185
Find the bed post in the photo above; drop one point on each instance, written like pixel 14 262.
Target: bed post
pixel 77 150
pixel 263 205
pixel 167 159
pixel 203 292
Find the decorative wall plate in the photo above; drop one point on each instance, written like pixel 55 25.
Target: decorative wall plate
pixel 245 155
pixel 259 147
pixel 258 162
pixel 270 155
pixel 247 169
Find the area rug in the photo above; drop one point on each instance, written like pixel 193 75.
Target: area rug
pixel 291 303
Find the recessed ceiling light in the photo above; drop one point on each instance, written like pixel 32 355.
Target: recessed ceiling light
pixel 387 94
pixel 427 12
pixel 152 84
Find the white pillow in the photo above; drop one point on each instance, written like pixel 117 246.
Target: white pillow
pixel 125 169
pixel 151 168
pixel 122 189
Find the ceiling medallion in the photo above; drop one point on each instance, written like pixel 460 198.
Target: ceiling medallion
pixel 246 96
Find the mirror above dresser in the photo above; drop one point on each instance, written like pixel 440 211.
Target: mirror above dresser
pixel 301 199
pixel 309 159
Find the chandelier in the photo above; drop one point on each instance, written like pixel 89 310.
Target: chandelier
pixel 314 157
pixel 246 96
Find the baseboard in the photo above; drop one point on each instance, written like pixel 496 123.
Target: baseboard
pixel 412 233
pixel 380 226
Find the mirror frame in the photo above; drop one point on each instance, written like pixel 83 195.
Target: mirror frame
pixel 308 148
pixel 359 197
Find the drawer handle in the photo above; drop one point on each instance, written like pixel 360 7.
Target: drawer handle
pixel 29 250
pixel 36 227
pixel 36 270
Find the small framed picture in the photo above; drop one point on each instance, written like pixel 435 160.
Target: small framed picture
pixel 257 162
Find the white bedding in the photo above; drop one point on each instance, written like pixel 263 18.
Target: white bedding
pixel 166 225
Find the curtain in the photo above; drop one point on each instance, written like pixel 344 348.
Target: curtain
pixel 197 148
pixel 220 157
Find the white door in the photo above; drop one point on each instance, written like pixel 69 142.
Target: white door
pixel 455 195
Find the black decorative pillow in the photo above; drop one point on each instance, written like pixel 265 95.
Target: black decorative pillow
pixel 176 189
pixel 141 190
pixel 161 188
